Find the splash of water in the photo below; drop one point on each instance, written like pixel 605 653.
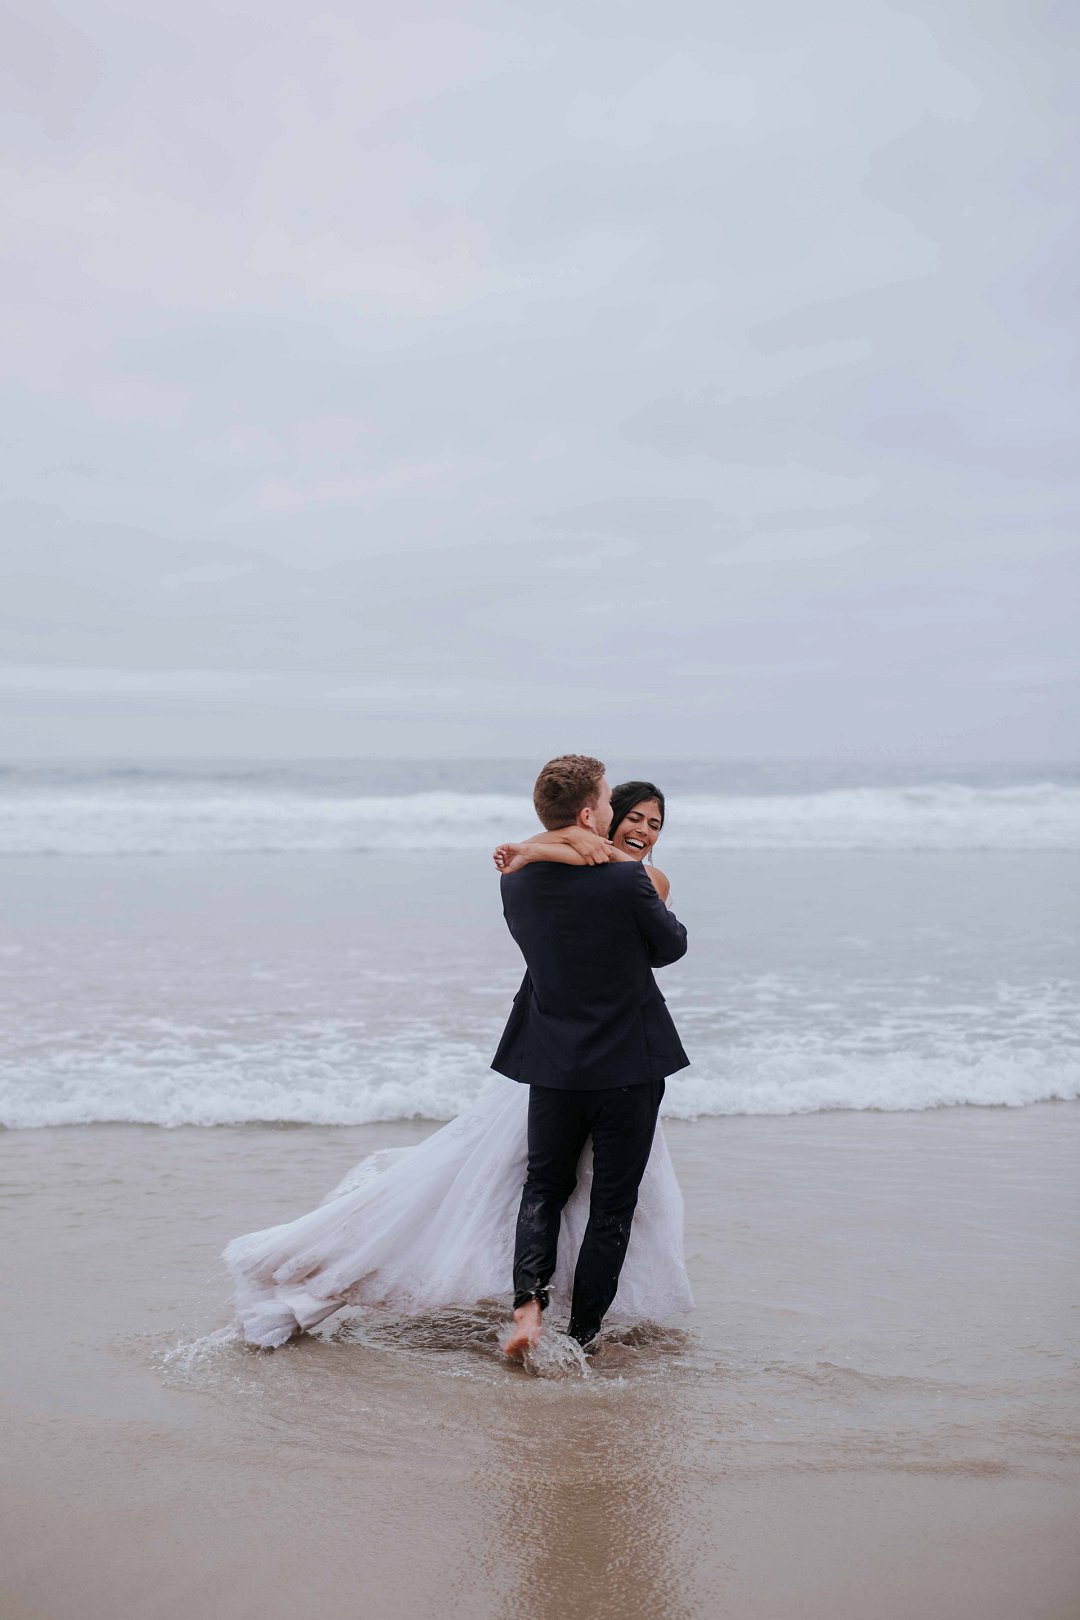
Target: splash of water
pixel 554 1355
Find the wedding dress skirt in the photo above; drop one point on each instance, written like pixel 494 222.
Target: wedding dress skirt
pixel 419 1228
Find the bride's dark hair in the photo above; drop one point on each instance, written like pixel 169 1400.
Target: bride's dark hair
pixel 626 795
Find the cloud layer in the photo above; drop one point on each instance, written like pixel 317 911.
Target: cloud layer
pixel 514 380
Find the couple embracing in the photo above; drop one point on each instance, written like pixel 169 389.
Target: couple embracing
pixel 569 1163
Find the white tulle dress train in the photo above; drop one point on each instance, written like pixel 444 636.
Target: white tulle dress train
pixel 415 1229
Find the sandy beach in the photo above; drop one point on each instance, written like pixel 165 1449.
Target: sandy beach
pixel 873 1411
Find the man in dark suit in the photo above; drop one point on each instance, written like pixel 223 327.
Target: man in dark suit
pixel 591 1036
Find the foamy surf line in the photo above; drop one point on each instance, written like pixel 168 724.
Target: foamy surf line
pixel 775 1079
pixel 946 816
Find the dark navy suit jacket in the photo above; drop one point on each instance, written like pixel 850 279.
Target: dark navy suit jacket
pixel 589 1013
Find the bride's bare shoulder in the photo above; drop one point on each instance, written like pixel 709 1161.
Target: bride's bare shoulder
pixel 660 882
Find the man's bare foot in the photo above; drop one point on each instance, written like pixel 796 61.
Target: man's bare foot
pixel 525 1331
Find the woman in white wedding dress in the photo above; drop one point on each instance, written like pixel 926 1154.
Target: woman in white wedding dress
pixel 415 1229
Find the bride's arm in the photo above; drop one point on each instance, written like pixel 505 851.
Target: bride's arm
pixel 568 846
pixel 660 882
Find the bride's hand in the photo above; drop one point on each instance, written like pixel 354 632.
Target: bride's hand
pixel 511 857
pixel 567 846
pixel 594 850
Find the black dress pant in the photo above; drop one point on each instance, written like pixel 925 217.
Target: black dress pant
pixel 621 1121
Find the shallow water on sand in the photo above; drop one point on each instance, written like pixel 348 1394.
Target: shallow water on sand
pixel 881 1361
pixel 769 1415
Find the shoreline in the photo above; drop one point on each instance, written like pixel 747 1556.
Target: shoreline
pixel 874 1408
pixel 429 1122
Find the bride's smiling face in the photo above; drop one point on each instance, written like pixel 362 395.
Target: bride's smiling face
pixel 639 829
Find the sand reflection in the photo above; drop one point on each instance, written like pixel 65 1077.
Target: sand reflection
pixel 585 1501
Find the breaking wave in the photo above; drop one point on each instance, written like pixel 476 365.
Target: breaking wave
pixel 303 1083
pixel 136 820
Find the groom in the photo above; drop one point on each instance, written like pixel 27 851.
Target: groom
pixel 591 1037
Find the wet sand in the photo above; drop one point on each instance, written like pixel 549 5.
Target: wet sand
pixel 873 1412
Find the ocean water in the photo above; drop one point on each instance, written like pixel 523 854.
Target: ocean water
pixel 345 806
pixel 323 942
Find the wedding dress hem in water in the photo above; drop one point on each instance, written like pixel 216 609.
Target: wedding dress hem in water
pixel 426 1227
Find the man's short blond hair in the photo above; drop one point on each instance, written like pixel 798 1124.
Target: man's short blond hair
pixel 566 786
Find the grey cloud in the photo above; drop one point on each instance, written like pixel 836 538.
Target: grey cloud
pixel 642 517
pixel 735 340
pixel 641 531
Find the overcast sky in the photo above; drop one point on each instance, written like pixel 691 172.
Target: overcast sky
pixel 502 378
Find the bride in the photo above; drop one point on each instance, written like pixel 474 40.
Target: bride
pixel 420 1228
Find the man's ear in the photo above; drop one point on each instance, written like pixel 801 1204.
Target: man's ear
pixel 586 817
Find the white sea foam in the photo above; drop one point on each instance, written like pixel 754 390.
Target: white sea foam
pixel 134 820
pixel 781 1075
pixel 188 994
